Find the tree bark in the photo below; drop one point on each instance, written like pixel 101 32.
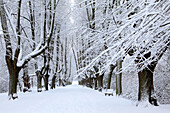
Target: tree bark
pixel 145 84
pixel 53 82
pixel 100 81
pixel 13 80
pixel 146 87
pixel 65 60
pixel 119 78
pixel 39 81
pixel 26 78
pixel 95 83
pixel 110 76
pixel 90 82
pixel 46 81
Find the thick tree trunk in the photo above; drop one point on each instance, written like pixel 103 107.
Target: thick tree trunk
pixel 110 76
pixel 145 84
pixel 146 88
pixel 13 85
pixel 46 81
pixel 119 78
pixel 13 80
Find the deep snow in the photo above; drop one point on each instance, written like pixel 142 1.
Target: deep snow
pixel 73 99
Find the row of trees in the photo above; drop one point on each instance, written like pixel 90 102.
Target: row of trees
pixel 32 32
pixel 40 39
pixel 115 29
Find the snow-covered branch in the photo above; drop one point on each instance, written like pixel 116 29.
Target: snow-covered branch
pixel 36 52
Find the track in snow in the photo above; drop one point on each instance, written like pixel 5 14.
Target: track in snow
pixel 72 99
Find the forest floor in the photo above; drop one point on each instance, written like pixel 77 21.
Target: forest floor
pixel 73 99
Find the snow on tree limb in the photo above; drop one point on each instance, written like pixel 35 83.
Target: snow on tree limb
pixel 33 54
pixel 143 28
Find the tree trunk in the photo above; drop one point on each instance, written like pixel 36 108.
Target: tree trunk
pixel 39 81
pixel 119 78
pixel 90 82
pixel 13 79
pixel 146 88
pixel 61 82
pixel 95 83
pixel 13 84
pixel 100 82
pixel 26 78
pixel 145 84
pixel 65 59
pixel 53 82
pixel 110 76
pixel 46 81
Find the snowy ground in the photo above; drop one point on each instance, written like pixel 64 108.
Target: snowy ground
pixel 73 99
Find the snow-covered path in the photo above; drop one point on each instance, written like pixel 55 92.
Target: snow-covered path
pixel 73 99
